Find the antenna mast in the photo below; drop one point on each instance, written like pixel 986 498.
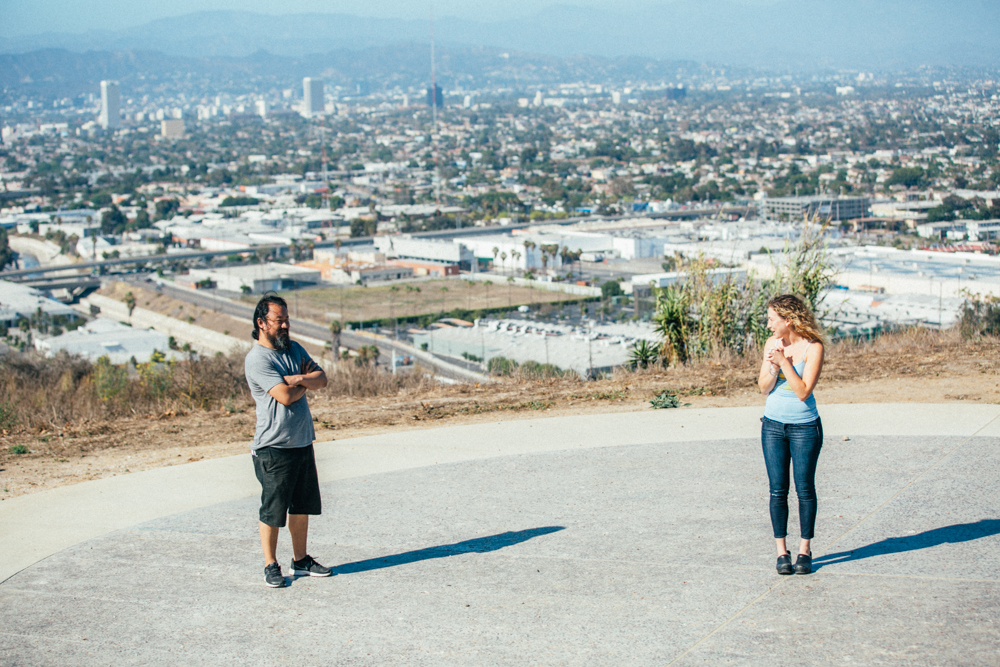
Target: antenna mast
pixel 326 177
pixel 434 116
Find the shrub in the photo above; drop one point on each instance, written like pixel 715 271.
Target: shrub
pixel 529 370
pixel 8 416
pixel 701 317
pixel 240 201
pixel 501 366
pixel 109 380
pixel 980 316
pixel 643 354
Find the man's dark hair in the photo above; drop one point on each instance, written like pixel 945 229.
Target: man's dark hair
pixel 264 308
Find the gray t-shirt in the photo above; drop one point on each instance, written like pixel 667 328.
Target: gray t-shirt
pixel 277 425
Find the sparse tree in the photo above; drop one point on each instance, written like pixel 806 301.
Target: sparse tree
pixel 336 328
pixel 130 304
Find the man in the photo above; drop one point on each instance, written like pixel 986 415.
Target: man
pixel 279 373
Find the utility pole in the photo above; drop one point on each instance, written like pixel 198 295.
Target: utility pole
pixel 590 349
pixel 940 299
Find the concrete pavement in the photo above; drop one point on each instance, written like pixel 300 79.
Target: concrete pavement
pixel 571 540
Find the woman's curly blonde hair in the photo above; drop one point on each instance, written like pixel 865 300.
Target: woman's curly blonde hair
pixel 801 319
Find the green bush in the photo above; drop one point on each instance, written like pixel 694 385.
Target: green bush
pixel 611 288
pixel 18 449
pixel 240 201
pixel 110 380
pixel 666 399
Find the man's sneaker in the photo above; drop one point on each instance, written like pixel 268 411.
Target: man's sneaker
pixel 309 566
pixel 273 576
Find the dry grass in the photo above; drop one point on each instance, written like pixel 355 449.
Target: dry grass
pixel 85 443
pixel 355 304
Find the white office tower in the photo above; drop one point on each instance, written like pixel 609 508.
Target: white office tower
pixel 313 103
pixel 111 104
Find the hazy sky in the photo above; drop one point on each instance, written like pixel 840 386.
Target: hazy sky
pixel 26 17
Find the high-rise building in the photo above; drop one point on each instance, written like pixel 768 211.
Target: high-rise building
pixel 312 93
pixel 435 98
pixel 111 104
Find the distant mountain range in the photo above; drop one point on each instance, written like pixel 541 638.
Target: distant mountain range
pixel 873 35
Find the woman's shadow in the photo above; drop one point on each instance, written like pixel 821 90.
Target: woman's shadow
pixel 962 532
pixel 478 545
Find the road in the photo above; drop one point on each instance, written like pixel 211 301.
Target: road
pixel 364 240
pixel 348 338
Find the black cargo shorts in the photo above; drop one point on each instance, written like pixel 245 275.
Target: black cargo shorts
pixel 288 481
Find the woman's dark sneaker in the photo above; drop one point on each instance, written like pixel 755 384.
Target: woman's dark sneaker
pixel 804 564
pixel 273 576
pixel 785 564
pixel 308 565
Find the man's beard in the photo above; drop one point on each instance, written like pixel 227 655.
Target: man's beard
pixel 281 342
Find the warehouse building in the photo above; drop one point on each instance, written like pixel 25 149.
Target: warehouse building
pixel 818 206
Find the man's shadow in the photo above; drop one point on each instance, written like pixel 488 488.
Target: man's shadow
pixel 962 532
pixel 478 545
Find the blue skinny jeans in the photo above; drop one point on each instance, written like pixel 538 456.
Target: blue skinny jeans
pixel 797 445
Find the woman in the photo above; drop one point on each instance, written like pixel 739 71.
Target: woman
pixel 791 430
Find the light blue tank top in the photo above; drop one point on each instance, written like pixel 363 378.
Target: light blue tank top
pixel 784 406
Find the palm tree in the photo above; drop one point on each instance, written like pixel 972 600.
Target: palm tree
pixel 470 283
pixel 444 290
pixel 514 256
pixel 496 251
pixel 503 262
pixel 411 288
pixel 528 247
pixel 510 283
pixel 552 249
pixel 392 315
